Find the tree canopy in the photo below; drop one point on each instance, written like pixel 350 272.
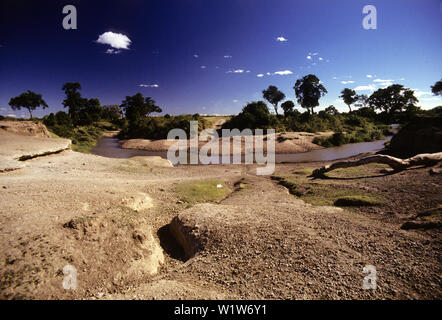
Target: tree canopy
pixel 437 88
pixel 273 96
pixel 308 91
pixel 288 107
pixel 137 107
pixel 28 100
pixel 349 96
pixel 392 99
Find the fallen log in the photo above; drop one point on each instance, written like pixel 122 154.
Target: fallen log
pixel 397 164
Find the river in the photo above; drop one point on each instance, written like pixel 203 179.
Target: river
pixel 110 147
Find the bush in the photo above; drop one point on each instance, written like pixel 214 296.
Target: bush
pixel 159 127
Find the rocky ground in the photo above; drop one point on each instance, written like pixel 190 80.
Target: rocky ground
pixel 129 235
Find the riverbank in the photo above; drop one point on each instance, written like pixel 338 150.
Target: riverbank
pixel 116 222
pixel 288 142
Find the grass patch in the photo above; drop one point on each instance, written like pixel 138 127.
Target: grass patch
pixel 326 192
pixel 135 166
pixel 202 191
pixel 357 201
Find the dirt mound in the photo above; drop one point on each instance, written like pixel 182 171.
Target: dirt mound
pixel 25 128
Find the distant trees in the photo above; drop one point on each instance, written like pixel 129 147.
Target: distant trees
pixel 349 97
pixel 288 107
pixel 254 115
pixel 111 112
pixel 137 107
pixel 82 111
pixel 73 101
pixel 362 100
pixel 437 88
pixel 393 99
pixel 273 96
pixel 28 100
pixel 308 91
pixel 331 110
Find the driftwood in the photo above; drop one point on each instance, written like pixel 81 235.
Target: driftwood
pixel 424 159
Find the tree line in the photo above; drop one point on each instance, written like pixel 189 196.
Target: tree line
pixel 308 90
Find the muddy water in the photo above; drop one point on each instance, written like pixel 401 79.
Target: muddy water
pixel 109 147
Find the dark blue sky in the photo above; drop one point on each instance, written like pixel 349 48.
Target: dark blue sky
pixel 323 37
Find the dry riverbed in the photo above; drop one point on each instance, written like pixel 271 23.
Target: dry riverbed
pixel 140 229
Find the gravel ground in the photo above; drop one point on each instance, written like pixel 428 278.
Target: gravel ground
pixel 109 218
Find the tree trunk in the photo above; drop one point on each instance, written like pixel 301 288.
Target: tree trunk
pixel 349 107
pixel 276 109
pixel 396 164
pixel 30 112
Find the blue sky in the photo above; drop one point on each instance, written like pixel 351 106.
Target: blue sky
pixel 199 56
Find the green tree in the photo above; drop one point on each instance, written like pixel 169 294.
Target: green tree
pixel 349 97
pixel 111 113
pixel 361 100
pixel 331 110
pixel 288 107
pixel 137 107
pixel 28 100
pixel 94 109
pixel 437 88
pixel 273 96
pixel 308 91
pixel 393 99
pixel 73 101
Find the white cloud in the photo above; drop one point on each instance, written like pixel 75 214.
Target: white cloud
pixel 248 71
pixel 431 99
pixel 419 93
pixel 2 109
pixel 11 115
pixel 115 40
pixel 112 51
pixel 260 75
pixel 369 76
pixel 203 67
pixel 149 85
pixel 370 87
pixel 235 101
pixel 309 57
pixel 281 39
pixel 236 71
pixel 335 78
pixel 268 73
pixel 401 79
pixel 382 80
pixel 314 53
pixel 346 82
pixel 283 72
pixel 320 59
pixel 227 56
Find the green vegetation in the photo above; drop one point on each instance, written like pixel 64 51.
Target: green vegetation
pixel 86 119
pixel 202 191
pixel 436 89
pixel 308 90
pixel 84 138
pixel 28 100
pixel 328 192
pixel 159 127
pixel 357 201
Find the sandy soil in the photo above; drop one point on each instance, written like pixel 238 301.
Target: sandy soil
pixel 289 142
pixel 110 219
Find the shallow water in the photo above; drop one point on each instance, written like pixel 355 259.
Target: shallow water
pixel 110 147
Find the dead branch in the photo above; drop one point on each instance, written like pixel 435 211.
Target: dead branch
pixel 424 159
